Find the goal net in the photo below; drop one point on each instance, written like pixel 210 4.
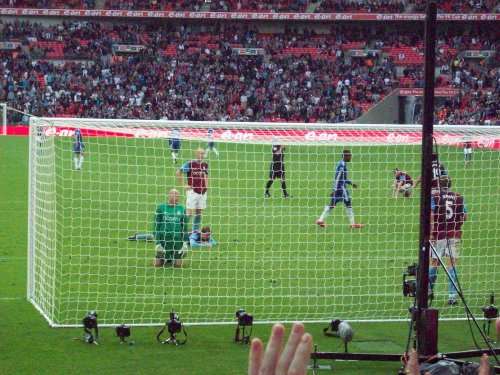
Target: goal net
pixel 271 258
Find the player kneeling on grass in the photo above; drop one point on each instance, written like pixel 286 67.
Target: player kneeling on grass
pixel 170 231
pixel 203 238
pixel 403 183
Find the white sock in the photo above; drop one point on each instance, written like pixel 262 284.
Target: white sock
pixel 350 215
pixel 325 213
pixel 76 162
pixel 216 152
pixel 207 152
pixel 80 163
pixel 174 155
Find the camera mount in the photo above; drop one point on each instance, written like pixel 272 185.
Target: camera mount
pixel 340 328
pixel 490 313
pixel 410 285
pixel 244 320
pixel 173 326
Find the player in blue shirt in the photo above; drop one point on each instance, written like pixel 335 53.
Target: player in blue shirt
pixel 211 143
pixel 78 150
pixel 175 143
pixel 340 192
pixel 203 238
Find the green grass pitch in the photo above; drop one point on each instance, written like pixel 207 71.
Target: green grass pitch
pixel 245 267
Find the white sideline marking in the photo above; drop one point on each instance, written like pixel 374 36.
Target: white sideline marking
pixel 11 298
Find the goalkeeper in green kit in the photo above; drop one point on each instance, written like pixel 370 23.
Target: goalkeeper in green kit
pixel 169 229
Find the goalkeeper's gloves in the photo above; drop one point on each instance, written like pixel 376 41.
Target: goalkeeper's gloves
pixel 184 248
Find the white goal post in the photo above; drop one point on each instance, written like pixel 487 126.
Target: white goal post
pixel 271 258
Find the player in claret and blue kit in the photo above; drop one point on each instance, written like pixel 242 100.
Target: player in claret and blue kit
pixel 448 215
pixel 202 238
pixel 438 171
pixel 196 172
pixel 403 183
pixel 340 192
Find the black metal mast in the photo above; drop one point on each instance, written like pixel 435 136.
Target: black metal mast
pixel 425 193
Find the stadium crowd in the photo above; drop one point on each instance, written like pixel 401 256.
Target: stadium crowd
pixel 49 4
pixel 467 6
pixel 268 6
pixel 363 6
pixel 192 73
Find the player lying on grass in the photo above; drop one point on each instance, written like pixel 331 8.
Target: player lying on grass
pixel 203 238
pixel 196 239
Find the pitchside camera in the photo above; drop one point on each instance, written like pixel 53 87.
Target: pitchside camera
pixel 90 320
pixel 244 320
pixel 173 326
pixel 333 326
pixel 490 312
pixel 410 285
pixel 123 331
pixel 340 328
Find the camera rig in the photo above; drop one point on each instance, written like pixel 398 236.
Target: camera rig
pixel 173 326
pixel 123 331
pixel 490 313
pixel 340 328
pixel 244 320
pixel 334 327
pixel 410 285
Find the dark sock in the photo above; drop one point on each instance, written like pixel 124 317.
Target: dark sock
pixel 268 186
pixel 283 187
